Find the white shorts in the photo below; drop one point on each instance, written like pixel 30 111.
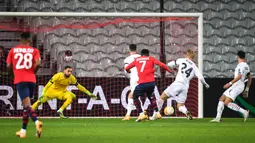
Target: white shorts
pixel 234 91
pixel 133 84
pixel 178 91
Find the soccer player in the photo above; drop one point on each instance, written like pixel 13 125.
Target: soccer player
pixel 133 79
pixel 234 88
pixel 56 89
pixel 24 61
pixel 187 69
pixel 146 83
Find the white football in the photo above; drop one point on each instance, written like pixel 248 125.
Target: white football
pixel 169 110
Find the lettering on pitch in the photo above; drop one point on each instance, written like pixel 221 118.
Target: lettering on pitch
pixel 5 98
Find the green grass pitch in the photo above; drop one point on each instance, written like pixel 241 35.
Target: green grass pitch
pixel 117 131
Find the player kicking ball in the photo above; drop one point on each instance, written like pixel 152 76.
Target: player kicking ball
pixel 56 89
pixel 146 83
pixel 133 79
pixel 24 60
pixel 234 88
pixel 179 88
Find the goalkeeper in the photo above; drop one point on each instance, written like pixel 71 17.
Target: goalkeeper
pixel 56 89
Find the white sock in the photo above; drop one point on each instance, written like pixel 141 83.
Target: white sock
pixel 235 107
pixel 183 109
pixel 129 106
pixel 23 130
pixel 36 122
pixel 160 104
pixel 130 101
pixel 220 109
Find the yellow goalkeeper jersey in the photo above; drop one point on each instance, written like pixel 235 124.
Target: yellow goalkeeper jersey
pixel 60 82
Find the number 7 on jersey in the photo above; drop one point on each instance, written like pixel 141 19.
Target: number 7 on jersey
pixel 143 65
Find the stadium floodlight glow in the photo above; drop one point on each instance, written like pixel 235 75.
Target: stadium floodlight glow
pixel 198 16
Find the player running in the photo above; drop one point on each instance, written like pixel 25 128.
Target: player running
pixel 146 83
pixel 179 88
pixel 56 89
pixel 24 60
pixel 234 88
pixel 133 79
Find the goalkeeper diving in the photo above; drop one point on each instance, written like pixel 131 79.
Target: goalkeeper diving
pixel 56 89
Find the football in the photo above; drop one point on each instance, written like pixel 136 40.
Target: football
pixel 169 110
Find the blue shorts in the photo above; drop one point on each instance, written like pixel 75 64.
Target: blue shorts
pixel 25 89
pixel 143 88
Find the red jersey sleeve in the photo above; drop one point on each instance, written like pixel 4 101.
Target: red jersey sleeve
pixel 130 66
pixel 164 66
pixel 9 57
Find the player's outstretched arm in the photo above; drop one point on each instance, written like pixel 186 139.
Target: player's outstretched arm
pixel 131 65
pixel 49 84
pixel 246 91
pixel 201 78
pixel 84 90
pixel 172 64
pixel 162 65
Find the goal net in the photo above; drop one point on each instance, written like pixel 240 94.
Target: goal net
pixel 98 43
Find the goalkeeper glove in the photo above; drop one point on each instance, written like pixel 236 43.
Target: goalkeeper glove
pixel 92 96
pixel 41 97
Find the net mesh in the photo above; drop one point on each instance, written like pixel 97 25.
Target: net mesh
pixel 99 46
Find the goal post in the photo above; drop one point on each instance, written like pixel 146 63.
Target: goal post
pixel 168 16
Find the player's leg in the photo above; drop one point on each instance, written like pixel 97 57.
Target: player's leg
pixel 149 89
pixel 68 97
pixel 220 108
pixel 130 106
pixel 182 108
pixel 169 92
pixel 181 99
pixel 139 91
pixel 162 99
pixel 229 102
pixel 32 114
pixel 25 94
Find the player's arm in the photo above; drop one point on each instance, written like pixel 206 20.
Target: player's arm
pixel 37 61
pixel 49 84
pixel 234 80
pixel 172 64
pixel 9 62
pixel 200 77
pixel 246 91
pixel 125 65
pixel 131 65
pixel 83 89
pixel 162 65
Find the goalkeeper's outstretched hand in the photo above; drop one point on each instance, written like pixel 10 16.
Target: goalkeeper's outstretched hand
pixel 94 97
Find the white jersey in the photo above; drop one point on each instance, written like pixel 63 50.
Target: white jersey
pixel 186 71
pixel 242 69
pixel 238 87
pixel 133 72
